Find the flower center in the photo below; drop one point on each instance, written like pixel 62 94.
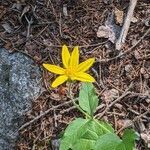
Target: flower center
pixel 70 72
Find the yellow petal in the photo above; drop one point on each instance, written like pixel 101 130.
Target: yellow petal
pixel 65 56
pixel 74 59
pixel 59 80
pixel 84 77
pixel 54 69
pixel 84 66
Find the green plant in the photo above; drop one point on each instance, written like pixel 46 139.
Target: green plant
pixel 86 133
pixel 89 133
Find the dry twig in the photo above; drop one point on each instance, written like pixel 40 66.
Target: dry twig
pixel 126 92
pixel 126 25
pixel 126 52
pixel 43 114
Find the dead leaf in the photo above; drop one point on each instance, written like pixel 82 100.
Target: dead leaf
pixel 118 16
pixel 55 96
pixel 103 31
pixel 110 95
pixel 111 30
pixel 106 32
pixel 124 123
pixel 8 45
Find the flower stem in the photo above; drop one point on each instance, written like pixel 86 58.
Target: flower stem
pixel 82 111
pixel 77 106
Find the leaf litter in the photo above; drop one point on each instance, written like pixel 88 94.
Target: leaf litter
pixel 40 31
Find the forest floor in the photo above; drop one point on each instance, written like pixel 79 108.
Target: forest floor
pixel 39 28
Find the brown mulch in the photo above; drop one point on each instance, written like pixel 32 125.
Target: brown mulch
pixel 39 28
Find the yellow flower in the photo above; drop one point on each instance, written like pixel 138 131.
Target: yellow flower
pixel 72 69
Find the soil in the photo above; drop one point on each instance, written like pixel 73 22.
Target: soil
pixel 39 28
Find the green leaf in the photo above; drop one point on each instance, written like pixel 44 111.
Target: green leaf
pixel 90 135
pixel 107 126
pixel 84 144
pixel 107 141
pixel 82 131
pixel 74 126
pixel 71 133
pixel 88 99
pixel 93 128
pixel 89 130
pixel 121 146
pixel 66 143
pixel 129 138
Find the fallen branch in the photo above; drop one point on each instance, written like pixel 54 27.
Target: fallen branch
pixel 126 92
pixel 126 25
pixel 126 52
pixel 43 114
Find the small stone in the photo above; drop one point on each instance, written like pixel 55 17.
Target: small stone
pixel 17 6
pixel 147 22
pixel 137 55
pixel 7 27
pixel 119 106
pixel 55 144
pixel 128 68
pixel 148 100
pixel 142 70
pixel 134 19
pixel 65 11
pixel 146 138
pixel 146 76
pixel 133 42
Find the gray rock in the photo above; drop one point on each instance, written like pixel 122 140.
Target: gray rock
pixel 19 85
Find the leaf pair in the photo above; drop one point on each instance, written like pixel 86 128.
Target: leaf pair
pixel 82 134
pixel 92 134
pixel 86 134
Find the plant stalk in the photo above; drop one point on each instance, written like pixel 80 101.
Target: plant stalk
pixel 77 106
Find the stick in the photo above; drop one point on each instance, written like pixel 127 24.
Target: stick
pixel 43 114
pixel 126 25
pixel 127 51
pixel 126 92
